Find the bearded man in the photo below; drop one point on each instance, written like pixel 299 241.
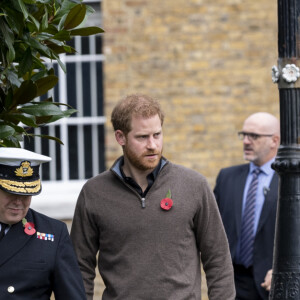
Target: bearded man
pixel 150 219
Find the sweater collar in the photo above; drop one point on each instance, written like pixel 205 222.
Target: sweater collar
pixel 119 162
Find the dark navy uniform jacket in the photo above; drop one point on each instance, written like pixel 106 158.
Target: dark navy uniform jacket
pixel 31 268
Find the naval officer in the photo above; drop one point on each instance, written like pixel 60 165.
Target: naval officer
pixel 36 254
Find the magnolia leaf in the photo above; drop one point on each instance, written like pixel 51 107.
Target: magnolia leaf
pixel 10 56
pixel 45 21
pixel 65 7
pixel 41 109
pixel 48 137
pixel 8 40
pixel 2 98
pixel 24 118
pixel 35 23
pixel 62 65
pixel 86 31
pixel 56 42
pixel 45 84
pixel 44 36
pixel 89 10
pixel 43 120
pixel 69 112
pixel 41 74
pixel 7 33
pixel 25 93
pixel 56 49
pixel 8 101
pixel 38 63
pixel 69 49
pixel 62 104
pixel 61 49
pixel 6 131
pixel 14 20
pixel 62 35
pixel 18 129
pixel 51 29
pixel 23 8
pixel 11 141
pixel 53 118
pixel 13 78
pixel 31 27
pixel 51 71
pixel 34 43
pixel 62 22
pixel 75 16
pixel 26 63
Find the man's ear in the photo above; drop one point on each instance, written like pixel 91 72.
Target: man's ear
pixel 120 137
pixel 276 140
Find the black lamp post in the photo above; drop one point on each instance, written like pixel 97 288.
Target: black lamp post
pixel 286 262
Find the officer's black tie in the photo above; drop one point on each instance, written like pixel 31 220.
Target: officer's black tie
pixel 2 232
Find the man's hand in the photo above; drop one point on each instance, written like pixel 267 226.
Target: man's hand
pixel 267 283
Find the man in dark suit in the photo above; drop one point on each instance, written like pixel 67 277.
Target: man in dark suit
pixel 250 228
pixel 36 254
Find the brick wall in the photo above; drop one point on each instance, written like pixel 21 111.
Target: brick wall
pixel 208 62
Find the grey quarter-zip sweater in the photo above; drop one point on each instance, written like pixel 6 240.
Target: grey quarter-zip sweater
pixel 146 252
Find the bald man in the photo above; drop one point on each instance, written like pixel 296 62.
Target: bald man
pixel 247 198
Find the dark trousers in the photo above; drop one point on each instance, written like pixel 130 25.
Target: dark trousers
pixel 244 283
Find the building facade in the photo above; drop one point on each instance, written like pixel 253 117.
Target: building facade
pixel 208 62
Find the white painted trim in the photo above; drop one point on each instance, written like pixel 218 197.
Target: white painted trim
pixel 79 121
pixel 76 58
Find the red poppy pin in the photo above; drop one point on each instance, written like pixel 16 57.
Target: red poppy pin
pixel 167 202
pixel 28 227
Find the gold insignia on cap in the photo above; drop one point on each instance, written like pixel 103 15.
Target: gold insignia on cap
pixel 33 187
pixel 24 170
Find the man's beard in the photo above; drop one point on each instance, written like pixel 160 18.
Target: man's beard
pixel 141 162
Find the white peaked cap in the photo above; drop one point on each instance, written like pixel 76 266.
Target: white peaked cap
pixel 19 171
pixel 13 156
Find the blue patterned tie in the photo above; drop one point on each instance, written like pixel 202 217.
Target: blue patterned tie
pixel 247 231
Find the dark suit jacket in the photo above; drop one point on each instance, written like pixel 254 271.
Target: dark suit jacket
pixel 31 268
pixel 229 195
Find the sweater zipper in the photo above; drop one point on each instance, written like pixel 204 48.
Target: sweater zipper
pixel 143 202
pixel 131 188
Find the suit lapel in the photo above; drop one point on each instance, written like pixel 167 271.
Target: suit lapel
pixel 269 201
pixel 238 194
pixel 14 240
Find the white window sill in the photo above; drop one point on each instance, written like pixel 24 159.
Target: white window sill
pixel 58 198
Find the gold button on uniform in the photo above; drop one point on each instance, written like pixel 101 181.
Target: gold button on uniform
pixel 10 289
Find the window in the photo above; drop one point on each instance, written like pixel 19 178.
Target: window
pixel 83 153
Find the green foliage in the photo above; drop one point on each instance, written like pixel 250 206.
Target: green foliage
pixel 29 31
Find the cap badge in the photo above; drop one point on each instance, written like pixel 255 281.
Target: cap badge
pixel 24 170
